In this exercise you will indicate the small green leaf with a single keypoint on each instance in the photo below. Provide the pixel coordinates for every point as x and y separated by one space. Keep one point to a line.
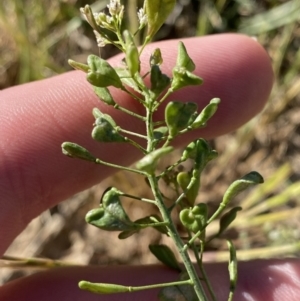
104 131
194 219
228 218
206 113
103 288
132 54
104 95
157 12
101 73
179 115
165 255
159 81
240 185
74 150
183 59
149 162
110 216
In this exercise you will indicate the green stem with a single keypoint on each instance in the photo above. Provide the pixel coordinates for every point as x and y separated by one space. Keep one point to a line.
163 98
118 107
167 217
131 133
177 240
138 198
98 161
132 142
108 288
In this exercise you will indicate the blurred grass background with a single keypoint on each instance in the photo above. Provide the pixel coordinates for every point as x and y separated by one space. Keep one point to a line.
36 40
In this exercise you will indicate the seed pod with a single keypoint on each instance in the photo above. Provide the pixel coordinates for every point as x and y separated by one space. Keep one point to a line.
206 113
104 131
74 150
101 73
157 12
103 288
194 219
183 59
104 95
179 115
156 58
184 180
78 66
183 78
110 216
240 185
159 81
132 54
149 162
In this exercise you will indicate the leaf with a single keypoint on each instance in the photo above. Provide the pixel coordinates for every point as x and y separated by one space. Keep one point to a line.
104 95
178 292
165 255
179 115
240 185
74 150
206 113
228 218
101 73
157 12
110 216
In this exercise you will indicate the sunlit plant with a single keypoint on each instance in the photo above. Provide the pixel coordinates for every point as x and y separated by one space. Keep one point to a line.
179 118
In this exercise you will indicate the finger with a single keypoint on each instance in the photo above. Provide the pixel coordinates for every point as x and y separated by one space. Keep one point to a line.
37 117
274 280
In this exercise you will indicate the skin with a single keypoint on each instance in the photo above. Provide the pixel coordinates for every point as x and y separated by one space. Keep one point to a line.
37 117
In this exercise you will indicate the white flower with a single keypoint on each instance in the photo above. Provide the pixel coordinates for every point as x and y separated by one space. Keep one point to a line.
114 7
142 17
101 42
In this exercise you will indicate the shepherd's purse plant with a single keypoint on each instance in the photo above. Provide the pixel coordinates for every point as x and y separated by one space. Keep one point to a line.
151 88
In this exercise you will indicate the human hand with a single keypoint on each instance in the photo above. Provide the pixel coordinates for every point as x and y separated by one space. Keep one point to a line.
37 117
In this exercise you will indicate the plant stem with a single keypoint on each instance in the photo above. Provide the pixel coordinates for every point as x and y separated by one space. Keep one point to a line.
153 181
177 240
98 161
